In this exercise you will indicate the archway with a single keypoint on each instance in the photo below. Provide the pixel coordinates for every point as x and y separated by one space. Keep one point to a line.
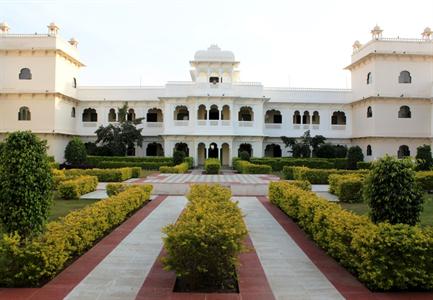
247 148
213 150
214 113
154 149
181 113
273 150
225 113
154 115
201 154
201 112
403 151
246 114
182 147
225 154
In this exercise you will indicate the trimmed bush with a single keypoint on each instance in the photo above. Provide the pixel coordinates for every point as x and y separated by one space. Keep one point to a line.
178 157
75 152
104 175
146 163
135 172
363 165
116 188
383 256
425 180
181 168
246 167
348 187
212 166
25 183
244 155
392 193
315 176
204 244
190 161
127 164
278 164
354 155
74 188
424 159
34 261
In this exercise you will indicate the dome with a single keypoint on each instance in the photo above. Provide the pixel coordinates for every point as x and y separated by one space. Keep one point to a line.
214 53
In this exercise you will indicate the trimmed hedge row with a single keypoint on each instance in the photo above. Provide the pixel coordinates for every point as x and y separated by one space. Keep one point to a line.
212 166
127 164
383 256
91 159
246 167
74 188
32 262
204 244
363 165
278 164
347 187
177 169
147 163
104 175
315 176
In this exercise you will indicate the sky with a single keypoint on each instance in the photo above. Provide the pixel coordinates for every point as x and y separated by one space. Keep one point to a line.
281 43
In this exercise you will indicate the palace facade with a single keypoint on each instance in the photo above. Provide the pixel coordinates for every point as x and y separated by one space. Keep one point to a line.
388 110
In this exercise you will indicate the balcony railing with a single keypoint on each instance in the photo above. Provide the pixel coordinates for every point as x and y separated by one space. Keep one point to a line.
245 123
181 123
296 126
89 124
273 125
338 127
226 122
213 122
201 122
154 124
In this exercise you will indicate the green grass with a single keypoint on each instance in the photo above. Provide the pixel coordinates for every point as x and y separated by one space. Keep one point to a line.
62 207
426 215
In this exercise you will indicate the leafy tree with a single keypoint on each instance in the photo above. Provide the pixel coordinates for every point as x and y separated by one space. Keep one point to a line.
392 193
341 151
424 159
75 152
178 157
354 154
316 141
119 137
326 151
25 183
302 147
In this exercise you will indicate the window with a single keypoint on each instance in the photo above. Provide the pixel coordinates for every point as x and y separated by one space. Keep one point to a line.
246 113
338 118
181 113
90 115
404 112
297 117
403 151
306 117
316 118
131 115
369 112
404 77
25 74
24 114
214 79
369 150
369 78
273 116
73 112
154 115
112 115
74 83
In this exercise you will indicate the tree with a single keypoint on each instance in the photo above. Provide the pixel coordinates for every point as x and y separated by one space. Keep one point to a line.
354 154
178 157
75 152
424 159
326 151
341 151
316 141
122 136
25 183
392 192
302 148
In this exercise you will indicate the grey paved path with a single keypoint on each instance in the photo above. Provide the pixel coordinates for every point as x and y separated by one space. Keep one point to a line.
291 274
120 275
195 178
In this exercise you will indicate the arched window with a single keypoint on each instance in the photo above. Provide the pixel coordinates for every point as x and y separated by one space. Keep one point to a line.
404 77
112 115
245 147
202 112
306 117
24 114
369 112
73 112
181 113
369 78
246 114
404 112
74 83
214 113
131 115
369 150
403 151
297 117
154 115
316 118
25 74
273 116
225 113
273 150
338 118
154 149
90 115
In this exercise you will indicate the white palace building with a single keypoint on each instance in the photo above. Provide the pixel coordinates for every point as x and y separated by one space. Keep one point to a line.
388 110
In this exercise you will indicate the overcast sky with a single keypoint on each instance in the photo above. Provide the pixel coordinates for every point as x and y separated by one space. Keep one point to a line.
304 43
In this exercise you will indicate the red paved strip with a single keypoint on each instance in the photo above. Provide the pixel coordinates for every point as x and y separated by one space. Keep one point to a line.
344 282
63 283
252 282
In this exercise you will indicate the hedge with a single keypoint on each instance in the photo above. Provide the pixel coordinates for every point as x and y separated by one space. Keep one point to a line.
212 166
363 165
104 175
180 168
204 244
92 159
425 180
246 167
315 176
190 161
118 187
74 188
383 256
31 262
348 187
278 164
147 163
125 164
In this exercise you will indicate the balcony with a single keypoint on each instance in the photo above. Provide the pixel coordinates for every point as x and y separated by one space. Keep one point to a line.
245 123
154 124
90 124
273 125
338 127
181 123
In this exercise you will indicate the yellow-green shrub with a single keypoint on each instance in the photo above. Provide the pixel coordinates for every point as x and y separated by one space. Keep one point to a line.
104 175
384 257
31 262
135 172
212 166
315 176
425 180
58 176
204 244
115 188
245 167
347 187
74 188
180 168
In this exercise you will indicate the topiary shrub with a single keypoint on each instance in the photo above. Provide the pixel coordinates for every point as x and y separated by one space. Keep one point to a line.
392 192
424 159
212 166
244 155
25 184
75 152
354 155
326 151
178 157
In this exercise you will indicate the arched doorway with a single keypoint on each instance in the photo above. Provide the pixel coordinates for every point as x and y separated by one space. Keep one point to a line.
245 147
182 147
225 154
201 154
213 150
273 150
154 149
403 151
214 113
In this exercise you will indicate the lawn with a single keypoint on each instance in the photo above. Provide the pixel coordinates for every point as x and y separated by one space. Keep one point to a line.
62 207
426 215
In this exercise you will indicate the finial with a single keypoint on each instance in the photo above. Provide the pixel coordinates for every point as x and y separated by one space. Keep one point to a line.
53 29
427 33
73 42
376 32
356 46
4 27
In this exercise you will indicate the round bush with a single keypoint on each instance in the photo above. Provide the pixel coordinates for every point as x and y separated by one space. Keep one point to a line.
354 155
392 193
25 183
178 157
424 159
326 151
75 152
244 155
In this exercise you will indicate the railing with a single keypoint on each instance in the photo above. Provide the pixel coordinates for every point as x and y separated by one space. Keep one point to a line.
306 126
181 123
226 123
273 125
154 124
201 122
213 122
89 124
245 123
296 126
338 127
316 126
